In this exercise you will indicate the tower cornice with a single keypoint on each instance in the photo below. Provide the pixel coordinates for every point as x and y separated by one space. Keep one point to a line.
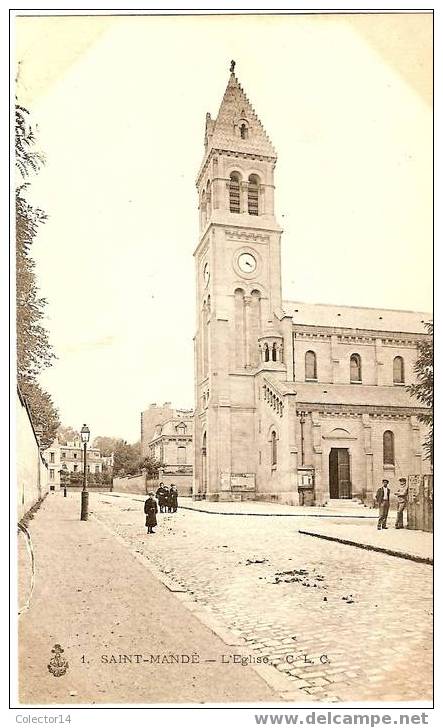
231 153
232 229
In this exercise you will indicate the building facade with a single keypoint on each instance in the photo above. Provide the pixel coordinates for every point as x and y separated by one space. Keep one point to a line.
167 437
69 458
297 402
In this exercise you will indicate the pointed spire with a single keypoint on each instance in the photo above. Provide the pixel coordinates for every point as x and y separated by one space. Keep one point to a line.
237 126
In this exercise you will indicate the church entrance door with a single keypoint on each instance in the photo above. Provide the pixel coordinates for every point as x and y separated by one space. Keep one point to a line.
339 473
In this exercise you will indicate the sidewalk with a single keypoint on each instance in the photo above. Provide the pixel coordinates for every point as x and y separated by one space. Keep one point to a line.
102 604
413 545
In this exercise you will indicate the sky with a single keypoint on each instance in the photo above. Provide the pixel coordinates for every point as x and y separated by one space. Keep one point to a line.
120 105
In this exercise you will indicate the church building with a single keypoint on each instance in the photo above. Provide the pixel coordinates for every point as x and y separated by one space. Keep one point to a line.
297 402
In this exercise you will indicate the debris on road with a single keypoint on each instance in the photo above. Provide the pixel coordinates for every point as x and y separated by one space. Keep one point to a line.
299 576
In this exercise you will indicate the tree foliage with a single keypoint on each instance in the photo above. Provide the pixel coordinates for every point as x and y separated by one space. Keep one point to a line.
34 351
92 478
150 466
126 458
67 434
106 445
27 159
43 412
423 388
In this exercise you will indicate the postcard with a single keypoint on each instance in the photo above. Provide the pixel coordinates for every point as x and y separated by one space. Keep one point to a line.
224 431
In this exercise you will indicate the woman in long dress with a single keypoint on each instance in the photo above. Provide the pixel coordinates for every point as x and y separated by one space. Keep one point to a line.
151 510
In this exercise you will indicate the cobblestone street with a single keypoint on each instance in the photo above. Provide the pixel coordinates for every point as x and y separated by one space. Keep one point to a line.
338 623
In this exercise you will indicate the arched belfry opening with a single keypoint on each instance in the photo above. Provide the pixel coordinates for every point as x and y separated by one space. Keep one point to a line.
270 345
234 192
253 194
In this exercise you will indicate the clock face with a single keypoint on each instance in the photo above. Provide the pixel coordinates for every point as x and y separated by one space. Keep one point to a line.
247 263
206 274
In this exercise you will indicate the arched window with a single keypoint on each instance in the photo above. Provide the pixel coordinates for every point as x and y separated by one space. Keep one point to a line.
399 370
273 448
234 192
253 185
208 198
310 365
274 352
266 352
203 207
355 367
244 131
388 448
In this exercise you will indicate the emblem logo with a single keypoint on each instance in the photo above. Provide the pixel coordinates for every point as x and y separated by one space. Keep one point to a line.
58 666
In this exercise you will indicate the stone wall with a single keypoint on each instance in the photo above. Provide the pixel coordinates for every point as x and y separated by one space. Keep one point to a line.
141 485
132 484
182 482
32 472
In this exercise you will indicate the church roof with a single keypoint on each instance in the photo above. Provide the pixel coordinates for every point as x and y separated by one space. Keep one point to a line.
356 317
235 110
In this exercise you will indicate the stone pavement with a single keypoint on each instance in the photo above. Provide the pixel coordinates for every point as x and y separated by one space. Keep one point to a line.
95 598
338 623
354 524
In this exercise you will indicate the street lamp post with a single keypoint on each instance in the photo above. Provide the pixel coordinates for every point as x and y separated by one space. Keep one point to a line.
84 434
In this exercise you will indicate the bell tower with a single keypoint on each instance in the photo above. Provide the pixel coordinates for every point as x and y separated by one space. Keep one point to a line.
237 264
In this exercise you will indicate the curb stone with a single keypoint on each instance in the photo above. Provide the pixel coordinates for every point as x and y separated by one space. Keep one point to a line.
369 547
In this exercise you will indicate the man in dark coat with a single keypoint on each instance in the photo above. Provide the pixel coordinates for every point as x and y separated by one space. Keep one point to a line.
402 495
382 500
162 493
169 498
151 512
173 498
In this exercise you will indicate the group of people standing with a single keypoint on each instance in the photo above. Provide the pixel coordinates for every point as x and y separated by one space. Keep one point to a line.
382 498
165 499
